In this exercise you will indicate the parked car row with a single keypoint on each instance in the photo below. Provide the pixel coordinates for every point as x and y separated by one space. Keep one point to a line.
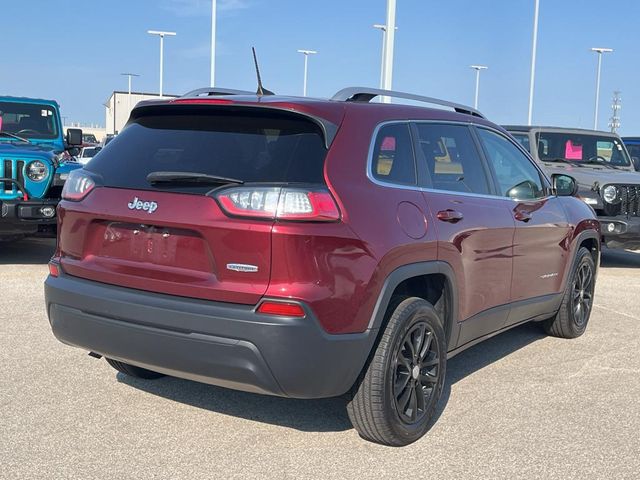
310 248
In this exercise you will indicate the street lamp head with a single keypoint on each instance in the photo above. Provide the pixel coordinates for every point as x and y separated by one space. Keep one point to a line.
478 67
602 50
379 26
130 74
307 52
161 33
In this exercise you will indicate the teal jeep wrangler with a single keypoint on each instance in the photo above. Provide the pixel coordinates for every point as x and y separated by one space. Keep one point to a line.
35 160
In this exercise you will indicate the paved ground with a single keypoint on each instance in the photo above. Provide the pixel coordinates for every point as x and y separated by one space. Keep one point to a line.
520 405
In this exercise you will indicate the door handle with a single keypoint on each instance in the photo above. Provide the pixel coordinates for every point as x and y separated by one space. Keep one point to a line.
522 216
448 215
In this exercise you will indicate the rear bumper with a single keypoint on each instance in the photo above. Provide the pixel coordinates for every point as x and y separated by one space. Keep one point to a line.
26 216
620 232
218 343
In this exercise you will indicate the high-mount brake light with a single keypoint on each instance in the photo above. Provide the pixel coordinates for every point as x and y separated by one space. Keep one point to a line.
77 186
281 308
282 203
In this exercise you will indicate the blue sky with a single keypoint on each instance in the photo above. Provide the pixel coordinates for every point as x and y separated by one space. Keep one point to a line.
73 51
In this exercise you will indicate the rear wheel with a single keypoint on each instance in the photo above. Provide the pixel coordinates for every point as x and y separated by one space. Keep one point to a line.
395 397
577 303
132 370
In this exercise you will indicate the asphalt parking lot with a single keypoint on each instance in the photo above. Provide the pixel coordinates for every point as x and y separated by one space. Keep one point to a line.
521 405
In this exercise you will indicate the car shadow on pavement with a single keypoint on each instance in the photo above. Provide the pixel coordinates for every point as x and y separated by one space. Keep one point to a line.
484 354
28 251
325 415
619 259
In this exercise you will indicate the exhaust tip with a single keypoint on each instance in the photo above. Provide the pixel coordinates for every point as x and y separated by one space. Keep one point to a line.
95 355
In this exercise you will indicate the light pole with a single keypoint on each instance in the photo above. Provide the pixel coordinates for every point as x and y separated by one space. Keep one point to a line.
477 68
306 54
390 35
161 34
129 97
599 51
383 29
533 59
213 42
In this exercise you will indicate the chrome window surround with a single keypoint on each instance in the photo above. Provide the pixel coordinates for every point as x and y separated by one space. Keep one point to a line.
381 183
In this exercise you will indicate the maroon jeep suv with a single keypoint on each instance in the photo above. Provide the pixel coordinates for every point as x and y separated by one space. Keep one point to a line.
310 248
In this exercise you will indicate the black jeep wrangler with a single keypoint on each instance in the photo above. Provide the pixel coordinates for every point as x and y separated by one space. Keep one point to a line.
601 164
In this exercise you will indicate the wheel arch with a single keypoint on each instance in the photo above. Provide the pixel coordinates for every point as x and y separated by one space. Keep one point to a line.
438 280
589 239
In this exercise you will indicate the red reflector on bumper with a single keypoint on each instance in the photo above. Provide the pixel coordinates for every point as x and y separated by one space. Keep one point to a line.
283 309
54 269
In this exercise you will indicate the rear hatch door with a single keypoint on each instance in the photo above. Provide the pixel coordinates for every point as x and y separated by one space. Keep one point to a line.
173 236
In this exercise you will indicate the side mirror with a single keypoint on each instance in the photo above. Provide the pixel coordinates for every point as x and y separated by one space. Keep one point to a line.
564 185
636 163
74 137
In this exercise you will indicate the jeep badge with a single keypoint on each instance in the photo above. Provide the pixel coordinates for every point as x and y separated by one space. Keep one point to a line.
137 204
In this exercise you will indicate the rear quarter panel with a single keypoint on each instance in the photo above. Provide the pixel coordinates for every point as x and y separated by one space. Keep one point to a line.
372 214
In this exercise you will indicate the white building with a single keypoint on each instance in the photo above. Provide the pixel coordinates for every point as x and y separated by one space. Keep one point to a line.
119 106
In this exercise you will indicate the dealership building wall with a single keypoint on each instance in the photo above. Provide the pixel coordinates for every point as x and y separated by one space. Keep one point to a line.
119 106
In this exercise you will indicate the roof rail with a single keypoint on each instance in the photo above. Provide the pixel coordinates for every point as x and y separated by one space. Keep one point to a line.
212 91
365 94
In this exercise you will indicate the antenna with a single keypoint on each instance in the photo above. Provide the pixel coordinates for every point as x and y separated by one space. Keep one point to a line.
261 91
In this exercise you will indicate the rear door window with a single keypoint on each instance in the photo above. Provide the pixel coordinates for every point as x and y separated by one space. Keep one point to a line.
249 145
452 158
393 160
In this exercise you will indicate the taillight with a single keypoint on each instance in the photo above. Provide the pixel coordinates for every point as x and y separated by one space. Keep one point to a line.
77 186
282 203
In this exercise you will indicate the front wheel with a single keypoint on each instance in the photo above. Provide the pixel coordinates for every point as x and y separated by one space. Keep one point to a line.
395 397
577 303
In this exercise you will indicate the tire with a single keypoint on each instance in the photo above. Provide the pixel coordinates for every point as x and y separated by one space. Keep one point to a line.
133 371
577 303
379 407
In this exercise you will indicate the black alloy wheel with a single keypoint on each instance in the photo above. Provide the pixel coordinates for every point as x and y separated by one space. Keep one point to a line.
416 373
583 286
577 301
394 400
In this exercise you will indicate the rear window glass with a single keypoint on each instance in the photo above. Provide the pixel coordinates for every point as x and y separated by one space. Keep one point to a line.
252 146
452 158
393 160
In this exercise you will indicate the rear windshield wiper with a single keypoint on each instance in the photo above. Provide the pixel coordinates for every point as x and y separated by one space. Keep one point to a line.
12 135
190 177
